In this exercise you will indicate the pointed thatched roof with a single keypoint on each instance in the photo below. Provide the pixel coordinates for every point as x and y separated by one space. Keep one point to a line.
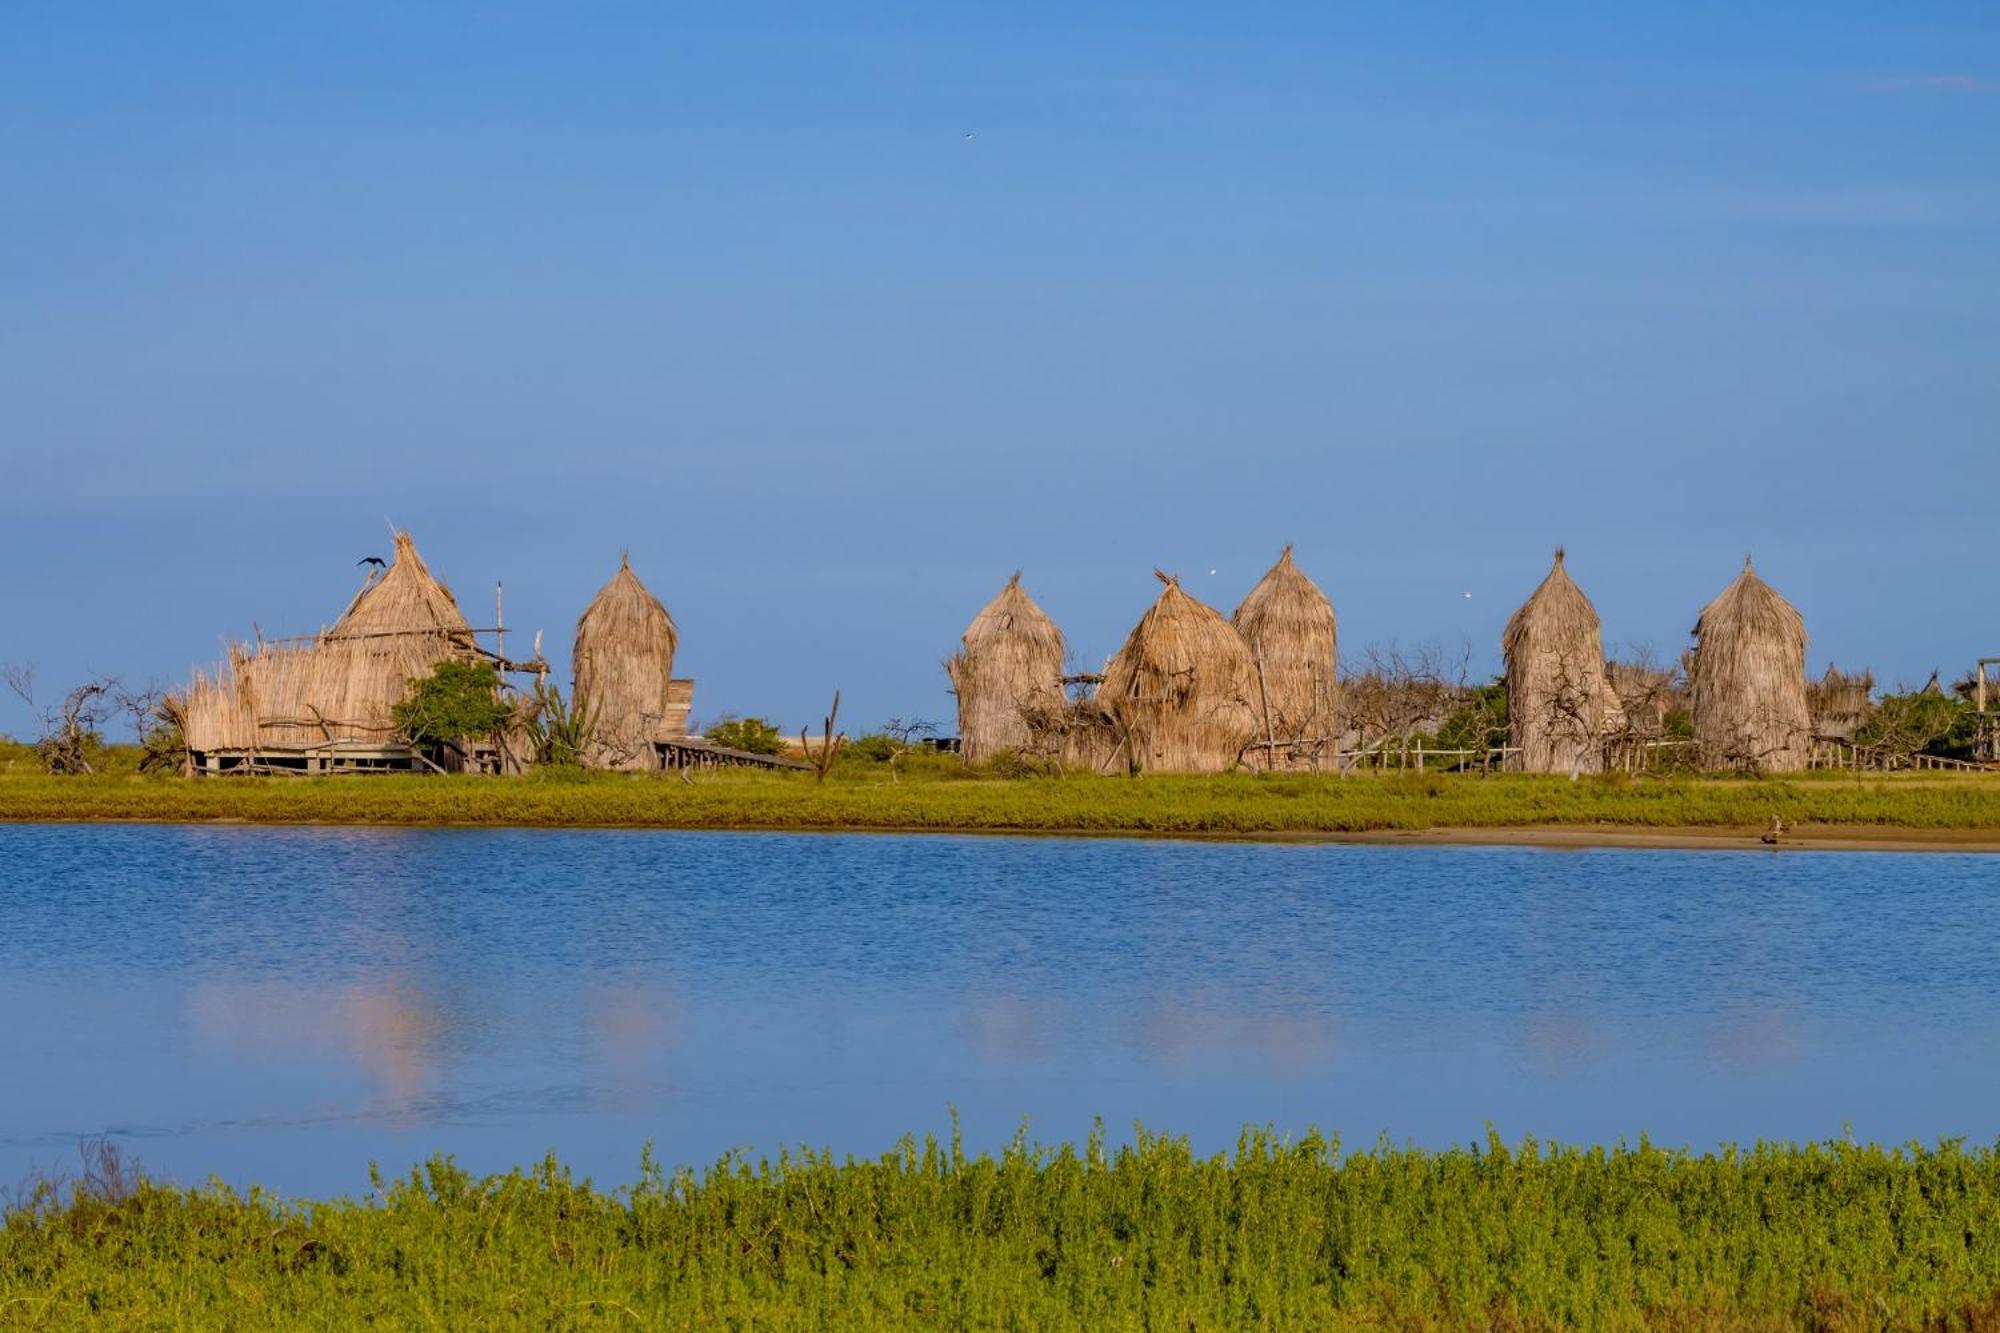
1289 627
1560 703
1749 679
346 682
406 599
1008 671
623 661
1180 687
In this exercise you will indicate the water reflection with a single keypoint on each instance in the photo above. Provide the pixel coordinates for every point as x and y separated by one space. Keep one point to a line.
287 1004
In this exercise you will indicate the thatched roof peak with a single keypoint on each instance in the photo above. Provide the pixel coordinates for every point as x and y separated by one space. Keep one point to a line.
625 597
1754 604
404 597
1012 611
1556 606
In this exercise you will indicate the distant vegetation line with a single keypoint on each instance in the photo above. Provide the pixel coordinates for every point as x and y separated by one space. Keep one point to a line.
939 795
1278 1234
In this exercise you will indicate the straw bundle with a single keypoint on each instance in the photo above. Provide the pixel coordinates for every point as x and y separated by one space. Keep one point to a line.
1840 702
1179 689
1749 679
1560 703
1008 671
1288 625
624 660
342 686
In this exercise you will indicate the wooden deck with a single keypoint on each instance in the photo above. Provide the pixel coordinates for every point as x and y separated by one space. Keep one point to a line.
692 752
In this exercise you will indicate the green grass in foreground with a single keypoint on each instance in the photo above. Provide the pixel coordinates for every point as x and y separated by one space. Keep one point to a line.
942 798
1277 1235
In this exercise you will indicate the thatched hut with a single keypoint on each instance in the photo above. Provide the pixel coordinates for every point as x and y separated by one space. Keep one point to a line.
1288 625
1561 706
1179 689
1749 680
624 665
1007 675
297 703
1839 702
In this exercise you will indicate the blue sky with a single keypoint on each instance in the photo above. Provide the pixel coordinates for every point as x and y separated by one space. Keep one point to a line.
1423 289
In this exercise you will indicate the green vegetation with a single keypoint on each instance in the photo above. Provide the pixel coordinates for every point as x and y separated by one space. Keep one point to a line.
457 700
753 734
561 731
1277 1235
1903 726
927 791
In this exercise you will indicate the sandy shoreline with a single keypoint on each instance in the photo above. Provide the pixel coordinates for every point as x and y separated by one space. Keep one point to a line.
1830 838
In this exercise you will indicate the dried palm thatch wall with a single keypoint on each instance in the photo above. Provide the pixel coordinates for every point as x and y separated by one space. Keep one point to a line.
1008 676
1560 703
1179 689
1288 625
1749 680
341 685
624 663
1840 702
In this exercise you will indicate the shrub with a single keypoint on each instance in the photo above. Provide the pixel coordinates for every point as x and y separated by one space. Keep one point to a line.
755 734
561 732
457 700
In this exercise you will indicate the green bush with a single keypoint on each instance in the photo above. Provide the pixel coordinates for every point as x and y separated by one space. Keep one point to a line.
456 701
1924 722
755 734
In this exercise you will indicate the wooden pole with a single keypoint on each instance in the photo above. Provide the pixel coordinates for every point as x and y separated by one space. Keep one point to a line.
1270 741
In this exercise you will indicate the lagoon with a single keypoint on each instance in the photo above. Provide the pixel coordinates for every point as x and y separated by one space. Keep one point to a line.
286 1005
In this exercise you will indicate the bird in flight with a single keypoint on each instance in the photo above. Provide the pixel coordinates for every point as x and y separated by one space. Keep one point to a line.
374 560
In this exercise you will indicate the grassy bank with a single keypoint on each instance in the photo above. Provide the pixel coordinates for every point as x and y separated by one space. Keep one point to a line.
1275 1235
936 799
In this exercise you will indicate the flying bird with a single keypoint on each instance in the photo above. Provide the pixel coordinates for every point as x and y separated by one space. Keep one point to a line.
374 560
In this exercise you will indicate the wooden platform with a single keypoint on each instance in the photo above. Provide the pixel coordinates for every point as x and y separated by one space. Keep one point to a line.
692 752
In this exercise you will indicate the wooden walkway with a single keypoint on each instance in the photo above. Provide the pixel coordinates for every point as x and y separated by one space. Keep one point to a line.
691 753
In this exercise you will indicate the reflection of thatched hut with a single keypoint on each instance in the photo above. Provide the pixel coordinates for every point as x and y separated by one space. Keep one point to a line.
1288 625
1007 675
300 703
1560 704
1179 690
624 662
1749 679
1840 702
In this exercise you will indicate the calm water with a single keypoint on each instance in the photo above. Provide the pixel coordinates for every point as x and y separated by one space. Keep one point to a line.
285 1005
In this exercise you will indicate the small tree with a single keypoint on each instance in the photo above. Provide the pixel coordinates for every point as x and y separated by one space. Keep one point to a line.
755 735
456 701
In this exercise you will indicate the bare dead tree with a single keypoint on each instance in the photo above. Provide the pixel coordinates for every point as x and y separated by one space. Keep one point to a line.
1396 694
904 735
69 731
830 743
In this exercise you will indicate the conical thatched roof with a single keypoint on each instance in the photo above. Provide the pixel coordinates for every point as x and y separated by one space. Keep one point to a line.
1289 627
1180 687
346 682
1749 679
1008 671
624 658
1560 703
